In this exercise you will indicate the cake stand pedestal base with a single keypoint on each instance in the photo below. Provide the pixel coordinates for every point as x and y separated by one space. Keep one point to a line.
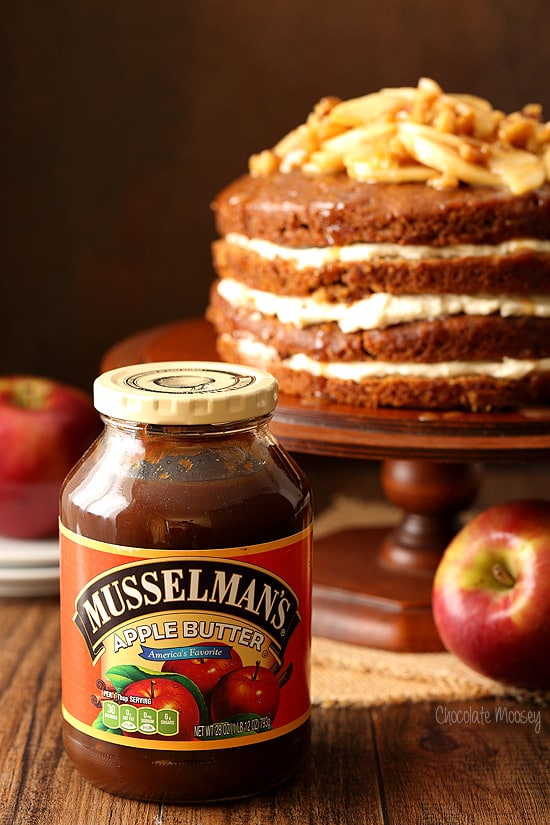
373 587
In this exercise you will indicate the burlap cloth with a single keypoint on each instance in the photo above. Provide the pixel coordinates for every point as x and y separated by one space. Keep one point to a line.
345 675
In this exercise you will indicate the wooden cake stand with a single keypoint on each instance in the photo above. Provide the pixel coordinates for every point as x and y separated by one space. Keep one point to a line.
373 587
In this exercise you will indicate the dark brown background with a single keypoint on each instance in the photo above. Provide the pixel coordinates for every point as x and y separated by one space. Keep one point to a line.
121 120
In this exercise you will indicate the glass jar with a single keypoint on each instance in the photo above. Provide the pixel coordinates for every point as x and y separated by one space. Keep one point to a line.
185 537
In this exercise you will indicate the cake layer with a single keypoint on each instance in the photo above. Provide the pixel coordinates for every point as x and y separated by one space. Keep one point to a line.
458 337
298 210
516 268
469 391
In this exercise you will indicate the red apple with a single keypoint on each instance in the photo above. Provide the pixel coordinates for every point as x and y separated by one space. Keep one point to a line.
491 594
166 694
252 689
45 427
205 673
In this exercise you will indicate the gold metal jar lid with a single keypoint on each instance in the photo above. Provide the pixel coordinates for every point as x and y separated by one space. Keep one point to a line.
185 392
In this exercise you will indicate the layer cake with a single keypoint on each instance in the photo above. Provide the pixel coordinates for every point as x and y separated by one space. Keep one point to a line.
393 250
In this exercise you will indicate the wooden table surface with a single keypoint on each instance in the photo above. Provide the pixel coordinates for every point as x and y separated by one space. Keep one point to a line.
424 763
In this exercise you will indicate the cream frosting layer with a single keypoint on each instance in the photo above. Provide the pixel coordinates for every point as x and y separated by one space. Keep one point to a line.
355 253
507 368
379 310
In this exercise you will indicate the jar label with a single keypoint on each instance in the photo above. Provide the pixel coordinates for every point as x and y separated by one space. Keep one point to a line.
185 650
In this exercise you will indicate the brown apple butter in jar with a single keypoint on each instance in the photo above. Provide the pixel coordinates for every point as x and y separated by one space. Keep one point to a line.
185 537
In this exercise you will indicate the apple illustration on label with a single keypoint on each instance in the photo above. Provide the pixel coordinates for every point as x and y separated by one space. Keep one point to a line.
205 672
491 594
45 427
252 689
168 695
